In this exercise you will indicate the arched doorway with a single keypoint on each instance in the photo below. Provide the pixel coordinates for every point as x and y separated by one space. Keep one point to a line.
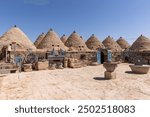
102 57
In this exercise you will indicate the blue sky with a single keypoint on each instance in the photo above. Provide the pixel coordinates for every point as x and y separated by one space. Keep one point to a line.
127 18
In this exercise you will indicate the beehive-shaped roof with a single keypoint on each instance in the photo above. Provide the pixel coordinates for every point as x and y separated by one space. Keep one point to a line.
39 39
141 44
123 43
111 44
93 43
64 38
16 35
50 41
75 41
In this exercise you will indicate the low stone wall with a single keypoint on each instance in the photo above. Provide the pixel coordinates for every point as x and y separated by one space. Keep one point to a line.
83 58
74 63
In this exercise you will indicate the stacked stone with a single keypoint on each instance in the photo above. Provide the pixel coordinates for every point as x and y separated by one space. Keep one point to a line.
42 65
110 70
27 67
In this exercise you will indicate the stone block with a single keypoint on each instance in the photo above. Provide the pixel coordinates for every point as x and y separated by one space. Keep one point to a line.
52 67
65 63
27 67
110 75
42 65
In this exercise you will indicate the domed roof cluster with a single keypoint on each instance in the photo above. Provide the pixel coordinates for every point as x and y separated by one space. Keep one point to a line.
50 41
73 42
39 39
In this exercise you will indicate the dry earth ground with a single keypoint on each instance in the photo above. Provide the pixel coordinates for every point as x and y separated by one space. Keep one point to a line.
82 83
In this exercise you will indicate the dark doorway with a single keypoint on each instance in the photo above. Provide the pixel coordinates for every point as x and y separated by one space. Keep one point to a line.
102 58
83 57
126 59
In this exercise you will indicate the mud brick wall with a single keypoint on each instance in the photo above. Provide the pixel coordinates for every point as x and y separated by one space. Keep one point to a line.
131 57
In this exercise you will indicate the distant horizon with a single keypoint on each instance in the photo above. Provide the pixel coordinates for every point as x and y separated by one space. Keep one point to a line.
120 18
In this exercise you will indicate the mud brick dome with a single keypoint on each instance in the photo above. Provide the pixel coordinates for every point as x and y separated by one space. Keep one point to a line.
64 38
16 35
50 41
93 43
39 39
123 43
111 44
76 42
141 44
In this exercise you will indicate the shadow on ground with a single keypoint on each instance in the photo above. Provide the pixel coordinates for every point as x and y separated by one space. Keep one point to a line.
100 78
3 75
130 72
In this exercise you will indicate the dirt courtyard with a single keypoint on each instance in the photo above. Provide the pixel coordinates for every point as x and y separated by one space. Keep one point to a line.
73 84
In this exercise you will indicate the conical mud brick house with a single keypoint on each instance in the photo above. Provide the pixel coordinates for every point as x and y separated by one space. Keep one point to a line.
16 35
64 38
93 43
75 42
139 51
50 41
39 39
111 44
141 44
123 43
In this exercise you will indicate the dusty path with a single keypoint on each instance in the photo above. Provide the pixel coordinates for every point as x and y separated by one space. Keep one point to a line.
82 83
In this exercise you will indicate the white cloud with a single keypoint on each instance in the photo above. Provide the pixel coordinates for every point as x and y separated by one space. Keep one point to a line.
36 2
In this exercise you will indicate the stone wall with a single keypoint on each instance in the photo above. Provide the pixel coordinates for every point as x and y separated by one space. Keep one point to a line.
132 57
85 58
116 56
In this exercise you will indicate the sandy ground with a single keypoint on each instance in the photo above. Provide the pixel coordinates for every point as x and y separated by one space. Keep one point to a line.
82 83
